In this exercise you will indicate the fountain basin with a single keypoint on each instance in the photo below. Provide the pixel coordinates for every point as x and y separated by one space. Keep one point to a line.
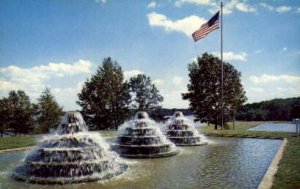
72 155
142 138
182 132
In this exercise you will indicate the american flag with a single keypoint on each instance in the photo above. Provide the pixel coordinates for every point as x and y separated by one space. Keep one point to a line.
207 27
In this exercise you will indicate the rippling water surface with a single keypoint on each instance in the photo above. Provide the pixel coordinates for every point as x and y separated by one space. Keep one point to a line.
275 127
224 163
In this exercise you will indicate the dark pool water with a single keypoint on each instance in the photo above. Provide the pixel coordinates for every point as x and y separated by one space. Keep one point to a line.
224 163
275 127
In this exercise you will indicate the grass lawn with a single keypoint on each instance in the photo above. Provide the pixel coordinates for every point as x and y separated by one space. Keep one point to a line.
288 174
18 141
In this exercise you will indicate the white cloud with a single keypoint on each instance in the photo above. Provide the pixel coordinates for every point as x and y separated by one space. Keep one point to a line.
279 9
34 80
284 49
131 73
173 98
185 25
266 6
67 96
267 87
233 5
256 89
61 69
231 56
177 80
265 78
152 4
245 7
298 10
283 9
158 82
179 3
100 1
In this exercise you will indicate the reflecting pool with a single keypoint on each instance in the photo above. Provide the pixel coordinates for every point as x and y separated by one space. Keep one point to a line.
224 163
275 127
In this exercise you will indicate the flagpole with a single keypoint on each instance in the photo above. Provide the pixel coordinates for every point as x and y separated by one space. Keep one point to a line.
222 75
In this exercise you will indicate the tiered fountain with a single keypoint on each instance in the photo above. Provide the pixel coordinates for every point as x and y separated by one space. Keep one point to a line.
72 155
181 132
142 138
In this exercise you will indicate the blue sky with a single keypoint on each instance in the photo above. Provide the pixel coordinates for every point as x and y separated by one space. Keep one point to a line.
60 43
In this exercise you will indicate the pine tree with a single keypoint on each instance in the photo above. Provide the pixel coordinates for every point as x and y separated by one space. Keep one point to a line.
48 112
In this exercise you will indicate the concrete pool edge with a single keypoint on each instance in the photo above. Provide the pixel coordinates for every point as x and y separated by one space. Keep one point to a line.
268 178
16 149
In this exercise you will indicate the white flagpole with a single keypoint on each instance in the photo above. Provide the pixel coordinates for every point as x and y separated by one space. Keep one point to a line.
222 77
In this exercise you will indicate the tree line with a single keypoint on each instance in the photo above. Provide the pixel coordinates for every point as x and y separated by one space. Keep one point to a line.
271 110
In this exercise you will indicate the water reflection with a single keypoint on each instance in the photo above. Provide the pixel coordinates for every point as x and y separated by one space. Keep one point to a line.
225 163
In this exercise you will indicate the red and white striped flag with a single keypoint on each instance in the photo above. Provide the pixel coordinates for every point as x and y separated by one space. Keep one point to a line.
207 27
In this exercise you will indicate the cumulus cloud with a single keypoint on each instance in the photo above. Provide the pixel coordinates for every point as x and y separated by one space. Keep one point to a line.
61 69
158 82
256 89
152 4
279 9
100 1
283 9
173 98
131 73
177 80
185 25
266 87
266 6
34 80
265 78
233 5
179 3
231 56
298 10
35 77
244 7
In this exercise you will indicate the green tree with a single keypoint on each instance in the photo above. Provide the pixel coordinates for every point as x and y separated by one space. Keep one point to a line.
16 113
146 96
4 115
48 112
204 89
105 97
271 110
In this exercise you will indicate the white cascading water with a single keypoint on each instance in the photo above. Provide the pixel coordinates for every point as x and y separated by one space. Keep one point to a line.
70 155
182 131
142 138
